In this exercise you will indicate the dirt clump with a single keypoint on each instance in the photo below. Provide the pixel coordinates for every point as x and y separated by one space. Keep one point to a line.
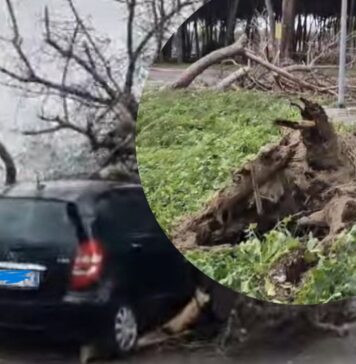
288 272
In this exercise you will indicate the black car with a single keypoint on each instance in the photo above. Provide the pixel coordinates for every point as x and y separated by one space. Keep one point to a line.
87 257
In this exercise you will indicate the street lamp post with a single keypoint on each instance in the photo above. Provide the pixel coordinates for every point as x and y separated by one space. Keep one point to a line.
343 44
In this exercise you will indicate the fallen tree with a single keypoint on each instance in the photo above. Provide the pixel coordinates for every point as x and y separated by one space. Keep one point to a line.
204 63
264 74
233 78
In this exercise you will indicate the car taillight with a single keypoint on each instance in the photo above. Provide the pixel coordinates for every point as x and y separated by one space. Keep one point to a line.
88 265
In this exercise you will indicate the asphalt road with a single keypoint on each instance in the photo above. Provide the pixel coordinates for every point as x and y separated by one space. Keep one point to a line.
160 76
34 349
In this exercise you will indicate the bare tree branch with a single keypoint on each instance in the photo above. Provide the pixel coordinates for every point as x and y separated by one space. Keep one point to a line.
92 91
94 46
10 167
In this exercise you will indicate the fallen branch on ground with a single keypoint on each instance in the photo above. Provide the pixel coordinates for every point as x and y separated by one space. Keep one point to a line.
180 325
298 77
191 73
233 78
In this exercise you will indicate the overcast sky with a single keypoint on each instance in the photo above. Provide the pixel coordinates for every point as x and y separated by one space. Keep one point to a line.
105 18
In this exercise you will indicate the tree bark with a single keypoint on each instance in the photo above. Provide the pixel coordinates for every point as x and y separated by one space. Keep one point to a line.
189 75
167 50
239 48
285 72
351 16
231 23
197 41
180 45
272 24
10 167
352 24
289 9
232 78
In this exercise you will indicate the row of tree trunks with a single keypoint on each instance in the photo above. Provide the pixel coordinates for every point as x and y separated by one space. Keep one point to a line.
301 31
222 33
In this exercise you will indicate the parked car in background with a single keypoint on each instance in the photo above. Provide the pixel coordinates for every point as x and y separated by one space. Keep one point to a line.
87 258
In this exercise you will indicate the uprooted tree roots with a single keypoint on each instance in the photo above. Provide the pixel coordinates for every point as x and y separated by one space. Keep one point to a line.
310 175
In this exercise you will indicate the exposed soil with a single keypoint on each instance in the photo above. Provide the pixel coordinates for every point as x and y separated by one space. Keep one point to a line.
310 175
288 272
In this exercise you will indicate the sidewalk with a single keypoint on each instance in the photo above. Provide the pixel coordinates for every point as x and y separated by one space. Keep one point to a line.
347 115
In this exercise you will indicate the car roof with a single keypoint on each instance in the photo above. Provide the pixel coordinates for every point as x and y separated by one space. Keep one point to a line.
75 191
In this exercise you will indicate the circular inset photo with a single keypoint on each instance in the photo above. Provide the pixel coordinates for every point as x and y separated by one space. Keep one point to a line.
246 147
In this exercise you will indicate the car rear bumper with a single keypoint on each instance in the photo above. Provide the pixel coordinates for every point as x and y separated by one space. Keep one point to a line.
76 321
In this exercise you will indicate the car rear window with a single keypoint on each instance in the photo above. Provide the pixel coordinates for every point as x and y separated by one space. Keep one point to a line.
44 221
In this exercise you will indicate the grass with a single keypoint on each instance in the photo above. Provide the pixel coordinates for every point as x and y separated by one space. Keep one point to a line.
247 268
188 144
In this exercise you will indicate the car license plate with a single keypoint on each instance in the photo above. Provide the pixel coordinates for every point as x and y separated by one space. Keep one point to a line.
19 278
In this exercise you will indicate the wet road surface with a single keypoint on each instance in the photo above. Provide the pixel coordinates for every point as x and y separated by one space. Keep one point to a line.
35 349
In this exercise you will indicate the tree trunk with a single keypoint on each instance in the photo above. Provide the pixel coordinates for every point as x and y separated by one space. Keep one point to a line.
351 16
167 51
272 24
239 49
305 35
187 44
352 25
288 28
248 27
9 163
232 78
231 22
180 45
200 66
197 42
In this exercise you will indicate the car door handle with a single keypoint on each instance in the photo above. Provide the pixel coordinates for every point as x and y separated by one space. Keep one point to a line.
136 246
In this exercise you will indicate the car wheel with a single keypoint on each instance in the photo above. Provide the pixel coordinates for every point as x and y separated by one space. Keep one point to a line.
125 329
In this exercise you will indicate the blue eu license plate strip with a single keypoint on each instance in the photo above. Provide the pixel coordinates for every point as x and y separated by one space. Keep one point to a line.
19 278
